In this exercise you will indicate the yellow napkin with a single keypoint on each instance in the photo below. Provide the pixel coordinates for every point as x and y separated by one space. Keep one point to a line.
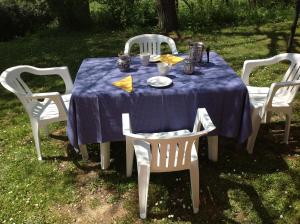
125 84
170 59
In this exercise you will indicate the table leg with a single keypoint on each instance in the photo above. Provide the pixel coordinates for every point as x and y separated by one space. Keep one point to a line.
105 155
84 153
213 148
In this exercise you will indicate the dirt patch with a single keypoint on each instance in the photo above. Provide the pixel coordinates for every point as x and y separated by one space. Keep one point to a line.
93 207
94 204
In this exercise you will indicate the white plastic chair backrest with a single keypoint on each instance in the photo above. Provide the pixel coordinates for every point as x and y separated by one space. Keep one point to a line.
171 152
150 43
292 74
174 153
12 81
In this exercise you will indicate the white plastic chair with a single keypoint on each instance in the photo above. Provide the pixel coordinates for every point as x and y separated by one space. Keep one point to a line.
167 152
42 108
276 98
150 43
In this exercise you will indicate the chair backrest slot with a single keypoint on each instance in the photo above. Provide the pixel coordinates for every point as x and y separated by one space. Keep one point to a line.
172 154
163 154
181 148
24 86
155 155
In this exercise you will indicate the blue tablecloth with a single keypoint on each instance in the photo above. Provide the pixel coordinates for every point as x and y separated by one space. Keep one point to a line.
96 105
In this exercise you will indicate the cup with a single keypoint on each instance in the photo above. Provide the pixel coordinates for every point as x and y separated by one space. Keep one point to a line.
145 57
188 66
163 68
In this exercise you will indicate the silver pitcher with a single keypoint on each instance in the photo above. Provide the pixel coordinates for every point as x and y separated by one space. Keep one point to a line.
123 62
196 51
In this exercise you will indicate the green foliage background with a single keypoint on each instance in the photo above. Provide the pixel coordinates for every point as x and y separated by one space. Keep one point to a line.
18 17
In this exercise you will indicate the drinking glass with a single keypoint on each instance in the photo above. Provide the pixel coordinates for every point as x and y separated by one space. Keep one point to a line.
163 68
145 57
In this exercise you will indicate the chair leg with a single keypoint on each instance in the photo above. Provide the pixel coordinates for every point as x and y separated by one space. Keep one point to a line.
143 181
194 176
84 152
36 136
256 121
287 127
129 156
213 148
105 155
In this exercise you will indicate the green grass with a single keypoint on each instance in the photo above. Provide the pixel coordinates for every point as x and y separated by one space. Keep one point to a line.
240 188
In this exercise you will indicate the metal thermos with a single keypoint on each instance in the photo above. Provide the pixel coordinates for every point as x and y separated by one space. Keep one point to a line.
196 51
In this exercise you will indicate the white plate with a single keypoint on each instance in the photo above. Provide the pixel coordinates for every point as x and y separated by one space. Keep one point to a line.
154 58
159 81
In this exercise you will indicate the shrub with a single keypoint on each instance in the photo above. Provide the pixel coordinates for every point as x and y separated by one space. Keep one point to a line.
114 14
200 14
18 18
71 14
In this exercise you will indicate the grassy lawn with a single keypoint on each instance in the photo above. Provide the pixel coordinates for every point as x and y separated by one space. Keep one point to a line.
240 188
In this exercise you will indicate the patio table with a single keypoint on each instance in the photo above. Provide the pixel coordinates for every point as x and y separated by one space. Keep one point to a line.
96 106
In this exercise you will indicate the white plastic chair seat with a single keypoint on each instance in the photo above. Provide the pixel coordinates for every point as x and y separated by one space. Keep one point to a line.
259 95
165 134
47 109
254 90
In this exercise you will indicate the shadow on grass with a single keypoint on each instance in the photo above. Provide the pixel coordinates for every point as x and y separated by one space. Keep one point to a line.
235 171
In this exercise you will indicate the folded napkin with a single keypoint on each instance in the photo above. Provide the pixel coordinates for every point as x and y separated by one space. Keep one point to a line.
170 59
125 84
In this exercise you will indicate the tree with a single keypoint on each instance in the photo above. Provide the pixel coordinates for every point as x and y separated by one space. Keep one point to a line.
167 15
294 26
73 14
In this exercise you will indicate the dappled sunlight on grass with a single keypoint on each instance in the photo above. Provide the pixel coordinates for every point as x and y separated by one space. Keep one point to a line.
240 188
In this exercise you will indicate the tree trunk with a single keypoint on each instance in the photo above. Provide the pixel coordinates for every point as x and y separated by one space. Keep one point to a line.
167 15
226 1
73 14
294 26
252 3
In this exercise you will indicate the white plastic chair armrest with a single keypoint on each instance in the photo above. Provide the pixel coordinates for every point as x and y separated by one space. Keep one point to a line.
56 98
203 119
63 72
43 95
249 65
276 86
